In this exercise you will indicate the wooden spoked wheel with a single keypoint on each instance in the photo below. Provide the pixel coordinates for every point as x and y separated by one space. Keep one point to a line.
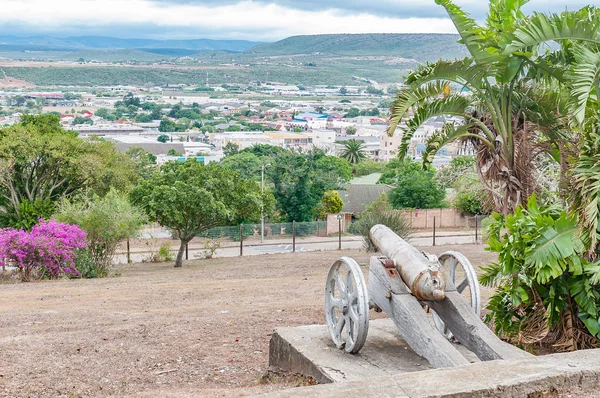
459 270
347 305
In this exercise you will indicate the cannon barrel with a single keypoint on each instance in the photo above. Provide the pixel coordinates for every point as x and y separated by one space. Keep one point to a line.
423 278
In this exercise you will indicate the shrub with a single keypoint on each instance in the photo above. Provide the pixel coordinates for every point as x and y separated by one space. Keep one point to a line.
393 219
48 251
84 262
382 203
210 248
108 221
330 204
470 201
160 255
546 293
164 252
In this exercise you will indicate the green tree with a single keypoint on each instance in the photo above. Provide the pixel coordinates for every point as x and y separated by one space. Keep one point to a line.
353 151
130 99
264 150
143 118
248 165
352 112
102 112
148 106
368 166
40 164
108 221
350 130
231 148
334 169
415 186
167 126
190 198
297 184
330 204
163 138
458 167
82 120
506 59
343 91
18 100
173 152
144 160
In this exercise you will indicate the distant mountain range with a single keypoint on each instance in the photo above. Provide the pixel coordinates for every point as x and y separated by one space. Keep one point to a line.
76 43
418 46
333 59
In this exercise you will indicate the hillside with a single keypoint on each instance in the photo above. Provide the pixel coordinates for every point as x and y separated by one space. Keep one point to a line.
345 59
421 47
48 43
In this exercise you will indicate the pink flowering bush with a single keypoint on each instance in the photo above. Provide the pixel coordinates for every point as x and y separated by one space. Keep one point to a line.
47 251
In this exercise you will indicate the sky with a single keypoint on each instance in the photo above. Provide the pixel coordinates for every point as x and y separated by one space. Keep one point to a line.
256 20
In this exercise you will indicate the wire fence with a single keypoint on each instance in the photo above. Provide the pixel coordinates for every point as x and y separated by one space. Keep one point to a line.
271 231
248 239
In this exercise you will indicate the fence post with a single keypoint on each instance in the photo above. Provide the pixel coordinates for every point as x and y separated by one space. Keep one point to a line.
476 227
339 232
186 251
434 231
128 253
241 240
293 236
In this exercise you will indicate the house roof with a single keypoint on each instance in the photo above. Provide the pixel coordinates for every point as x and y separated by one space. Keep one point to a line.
358 196
370 179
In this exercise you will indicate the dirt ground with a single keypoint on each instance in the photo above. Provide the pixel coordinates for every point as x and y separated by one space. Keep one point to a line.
153 330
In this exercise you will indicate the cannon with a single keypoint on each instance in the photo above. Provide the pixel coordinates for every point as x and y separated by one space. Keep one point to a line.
402 283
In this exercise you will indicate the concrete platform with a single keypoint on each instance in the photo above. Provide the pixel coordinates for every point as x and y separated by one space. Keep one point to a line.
308 350
571 375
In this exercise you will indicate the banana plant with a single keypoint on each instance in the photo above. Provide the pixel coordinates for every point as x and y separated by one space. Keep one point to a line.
506 115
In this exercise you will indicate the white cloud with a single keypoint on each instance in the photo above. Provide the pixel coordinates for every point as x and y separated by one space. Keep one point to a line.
252 20
244 20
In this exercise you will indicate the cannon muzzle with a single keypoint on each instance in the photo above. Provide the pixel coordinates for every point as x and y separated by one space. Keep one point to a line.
423 277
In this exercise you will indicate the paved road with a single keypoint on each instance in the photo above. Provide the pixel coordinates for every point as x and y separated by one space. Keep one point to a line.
309 244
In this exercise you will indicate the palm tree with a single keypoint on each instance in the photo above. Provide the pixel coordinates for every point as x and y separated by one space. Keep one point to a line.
508 116
353 151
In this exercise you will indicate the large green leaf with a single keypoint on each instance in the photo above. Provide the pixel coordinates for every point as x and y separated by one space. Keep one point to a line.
578 25
470 33
451 105
556 244
449 133
584 75
405 99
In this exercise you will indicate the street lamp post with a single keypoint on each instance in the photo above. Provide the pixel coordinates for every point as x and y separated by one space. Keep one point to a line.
339 217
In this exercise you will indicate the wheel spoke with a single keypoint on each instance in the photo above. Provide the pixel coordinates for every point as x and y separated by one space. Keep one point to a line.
349 283
341 286
453 269
340 325
336 303
353 314
461 286
350 329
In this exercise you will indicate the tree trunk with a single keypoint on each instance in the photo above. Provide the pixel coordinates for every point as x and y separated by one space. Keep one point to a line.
179 259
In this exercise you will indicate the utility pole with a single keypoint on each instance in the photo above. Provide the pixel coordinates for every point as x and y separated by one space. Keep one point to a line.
262 206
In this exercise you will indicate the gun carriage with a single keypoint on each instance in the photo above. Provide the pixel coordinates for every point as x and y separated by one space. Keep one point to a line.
402 282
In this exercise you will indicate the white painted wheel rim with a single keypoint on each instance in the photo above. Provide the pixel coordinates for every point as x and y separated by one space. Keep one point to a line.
460 271
347 305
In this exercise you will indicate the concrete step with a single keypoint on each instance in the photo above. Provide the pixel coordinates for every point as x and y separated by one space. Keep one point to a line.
309 351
